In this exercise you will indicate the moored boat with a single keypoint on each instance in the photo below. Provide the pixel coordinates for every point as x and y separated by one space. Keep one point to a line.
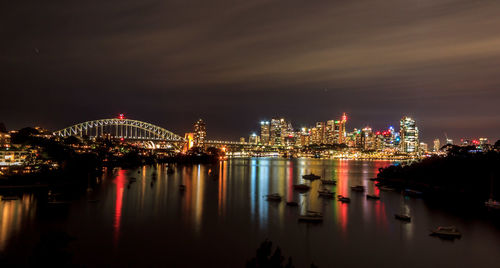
311 177
326 193
301 187
292 204
311 216
402 217
385 188
412 193
274 197
372 196
358 188
344 199
449 232
328 182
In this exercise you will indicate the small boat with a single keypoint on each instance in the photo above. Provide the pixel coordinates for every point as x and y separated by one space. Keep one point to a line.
292 204
311 216
492 204
9 198
326 193
412 193
385 188
311 177
358 188
301 187
449 232
328 182
402 217
274 197
182 187
344 199
372 196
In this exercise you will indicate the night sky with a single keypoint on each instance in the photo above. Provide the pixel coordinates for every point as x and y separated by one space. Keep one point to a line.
234 63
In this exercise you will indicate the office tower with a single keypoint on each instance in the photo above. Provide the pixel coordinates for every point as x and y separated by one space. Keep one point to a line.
254 139
341 129
437 145
367 139
409 135
275 132
200 133
264 132
423 147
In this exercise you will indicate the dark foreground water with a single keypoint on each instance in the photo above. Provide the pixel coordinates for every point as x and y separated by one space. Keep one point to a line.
222 217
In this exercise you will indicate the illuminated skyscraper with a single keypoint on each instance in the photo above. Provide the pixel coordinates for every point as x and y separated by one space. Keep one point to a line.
408 132
275 132
254 139
341 129
264 132
437 145
367 139
200 133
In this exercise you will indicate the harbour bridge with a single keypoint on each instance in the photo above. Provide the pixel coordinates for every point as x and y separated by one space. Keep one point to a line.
128 129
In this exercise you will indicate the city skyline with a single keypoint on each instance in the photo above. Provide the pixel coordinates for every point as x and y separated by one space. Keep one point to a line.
171 63
236 137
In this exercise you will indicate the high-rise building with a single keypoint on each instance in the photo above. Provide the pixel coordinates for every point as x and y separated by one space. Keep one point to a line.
320 133
423 147
408 132
264 132
275 132
200 133
437 145
254 139
341 134
367 139
334 131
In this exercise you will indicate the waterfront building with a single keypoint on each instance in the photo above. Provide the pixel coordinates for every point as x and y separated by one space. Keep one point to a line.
242 139
200 133
189 137
275 132
367 139
341 132
423 147
319 133
13 157
437 145
304 137
409 135
264 132
330 132
254 139
4 139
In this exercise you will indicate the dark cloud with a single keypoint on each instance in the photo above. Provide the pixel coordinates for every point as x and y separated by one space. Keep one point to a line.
237 62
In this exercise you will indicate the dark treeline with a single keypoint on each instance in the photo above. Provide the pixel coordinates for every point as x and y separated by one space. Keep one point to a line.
464 174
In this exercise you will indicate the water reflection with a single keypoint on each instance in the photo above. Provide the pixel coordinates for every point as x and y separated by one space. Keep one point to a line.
226 203
13 214
120 185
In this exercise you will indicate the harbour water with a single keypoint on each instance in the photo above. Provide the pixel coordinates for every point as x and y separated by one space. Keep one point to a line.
222 216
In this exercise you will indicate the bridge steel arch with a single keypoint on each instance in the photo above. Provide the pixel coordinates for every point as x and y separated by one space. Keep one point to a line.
124 128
